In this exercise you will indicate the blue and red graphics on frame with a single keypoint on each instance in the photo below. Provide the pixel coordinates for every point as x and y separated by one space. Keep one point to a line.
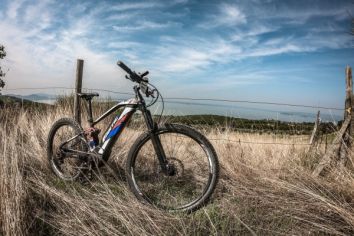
117 126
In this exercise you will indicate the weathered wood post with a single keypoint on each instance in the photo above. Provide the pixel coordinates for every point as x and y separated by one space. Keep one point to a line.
342 141
78 88
348 75
327 158
346 144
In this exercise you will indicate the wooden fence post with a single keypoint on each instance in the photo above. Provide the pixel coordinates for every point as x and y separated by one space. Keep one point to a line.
326 160
342 141
348 76
78 88
346 144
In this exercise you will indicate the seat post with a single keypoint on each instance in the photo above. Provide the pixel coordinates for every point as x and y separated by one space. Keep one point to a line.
88 97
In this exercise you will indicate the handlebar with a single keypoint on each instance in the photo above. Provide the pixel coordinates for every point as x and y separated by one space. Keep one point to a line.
132 75
124 67
138 78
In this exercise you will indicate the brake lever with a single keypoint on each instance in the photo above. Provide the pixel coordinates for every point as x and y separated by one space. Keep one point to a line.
144 74
152 94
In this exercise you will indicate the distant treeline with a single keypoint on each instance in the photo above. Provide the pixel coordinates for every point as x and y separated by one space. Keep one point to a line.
252 126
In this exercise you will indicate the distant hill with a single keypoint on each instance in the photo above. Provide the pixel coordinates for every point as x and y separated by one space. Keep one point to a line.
7 100
35 97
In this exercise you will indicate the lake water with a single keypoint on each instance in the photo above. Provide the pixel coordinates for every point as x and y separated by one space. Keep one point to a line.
248 111
252 111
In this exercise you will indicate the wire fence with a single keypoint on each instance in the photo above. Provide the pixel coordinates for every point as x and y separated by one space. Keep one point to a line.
186 98
331 113
261 143
177 99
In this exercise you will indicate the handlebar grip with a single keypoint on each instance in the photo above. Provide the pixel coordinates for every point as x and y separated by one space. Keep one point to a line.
144 74
124 67
132 75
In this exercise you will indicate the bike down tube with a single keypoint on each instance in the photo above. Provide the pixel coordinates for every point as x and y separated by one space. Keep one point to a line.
152 127
117 125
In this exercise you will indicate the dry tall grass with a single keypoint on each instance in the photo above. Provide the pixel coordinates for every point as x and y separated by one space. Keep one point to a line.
263 190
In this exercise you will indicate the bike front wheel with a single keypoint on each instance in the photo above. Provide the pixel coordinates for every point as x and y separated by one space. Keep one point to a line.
195 165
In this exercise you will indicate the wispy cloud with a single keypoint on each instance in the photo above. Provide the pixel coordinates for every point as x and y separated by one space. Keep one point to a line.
305 15
144 25
121 16
197 56
135 6
231 15
254 30
13 8
227 15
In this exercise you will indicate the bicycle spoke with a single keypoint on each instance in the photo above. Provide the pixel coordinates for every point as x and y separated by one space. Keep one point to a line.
190 180
68 147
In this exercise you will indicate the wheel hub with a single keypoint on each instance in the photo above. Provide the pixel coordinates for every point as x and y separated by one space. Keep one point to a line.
175 167
171 169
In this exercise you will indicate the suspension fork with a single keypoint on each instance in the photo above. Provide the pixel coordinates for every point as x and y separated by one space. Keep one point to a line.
152 129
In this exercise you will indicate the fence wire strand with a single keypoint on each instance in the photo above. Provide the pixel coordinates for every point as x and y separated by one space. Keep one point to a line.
187 98
199 99
261 143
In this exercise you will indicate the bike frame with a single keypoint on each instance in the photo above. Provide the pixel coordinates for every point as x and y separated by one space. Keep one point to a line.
119 122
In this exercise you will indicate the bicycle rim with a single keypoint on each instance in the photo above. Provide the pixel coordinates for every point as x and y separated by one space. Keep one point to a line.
193 165
67 166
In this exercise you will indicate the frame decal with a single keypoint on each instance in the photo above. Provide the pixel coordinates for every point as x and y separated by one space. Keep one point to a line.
116 127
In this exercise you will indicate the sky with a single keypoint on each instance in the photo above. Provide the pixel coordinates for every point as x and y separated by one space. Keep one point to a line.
270 50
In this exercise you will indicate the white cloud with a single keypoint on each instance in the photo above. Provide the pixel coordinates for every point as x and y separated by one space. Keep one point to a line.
250 37
228 15
124 45
301 15
189 55
231 15
275 50
13 8
121 16
135 6
179 1
144 25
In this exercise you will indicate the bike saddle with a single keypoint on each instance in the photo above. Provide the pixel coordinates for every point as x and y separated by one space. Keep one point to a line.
88 96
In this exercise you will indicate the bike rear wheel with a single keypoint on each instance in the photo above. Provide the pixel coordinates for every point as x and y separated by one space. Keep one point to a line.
66 165
195 166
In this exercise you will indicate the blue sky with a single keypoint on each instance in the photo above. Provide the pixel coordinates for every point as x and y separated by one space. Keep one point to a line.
271 50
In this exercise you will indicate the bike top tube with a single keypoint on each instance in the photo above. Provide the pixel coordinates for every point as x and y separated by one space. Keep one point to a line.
133 102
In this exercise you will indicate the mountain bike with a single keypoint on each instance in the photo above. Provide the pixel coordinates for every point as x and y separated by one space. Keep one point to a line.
171 166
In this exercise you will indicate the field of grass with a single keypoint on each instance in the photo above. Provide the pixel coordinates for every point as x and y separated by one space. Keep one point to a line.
264 189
